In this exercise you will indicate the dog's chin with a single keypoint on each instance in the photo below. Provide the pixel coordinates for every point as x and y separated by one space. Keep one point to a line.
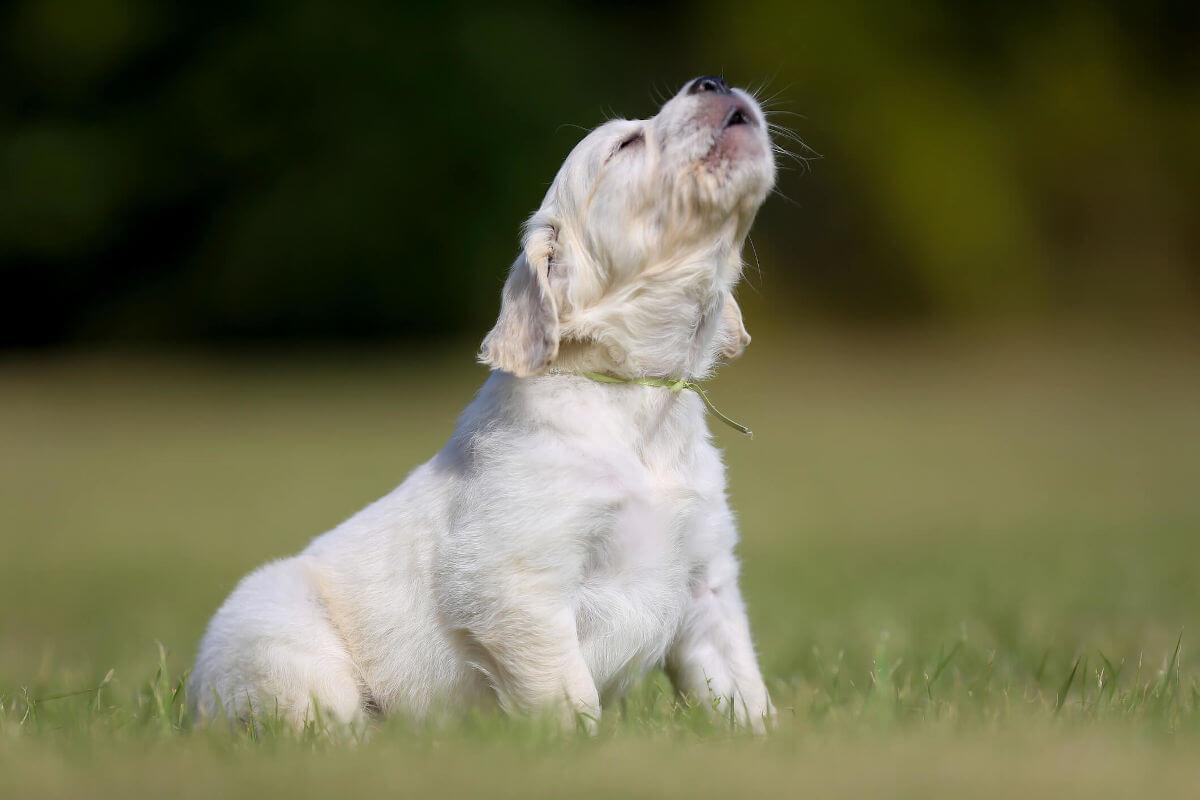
736 171
740 140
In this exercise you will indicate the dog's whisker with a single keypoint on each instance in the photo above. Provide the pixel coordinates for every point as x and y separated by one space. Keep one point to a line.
775 96
764 85
791 136
779 193
773 105
577 127
757 264
797 157
807 154
774 112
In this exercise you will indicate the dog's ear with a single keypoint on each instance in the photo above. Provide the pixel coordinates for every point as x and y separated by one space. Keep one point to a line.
733 335
525 338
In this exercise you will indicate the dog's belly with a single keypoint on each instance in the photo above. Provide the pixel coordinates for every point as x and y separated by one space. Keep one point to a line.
635 589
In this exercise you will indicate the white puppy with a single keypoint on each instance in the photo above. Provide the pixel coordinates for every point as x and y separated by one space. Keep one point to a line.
573 533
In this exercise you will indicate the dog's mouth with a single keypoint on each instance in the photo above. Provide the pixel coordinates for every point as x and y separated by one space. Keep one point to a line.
733 133
736 116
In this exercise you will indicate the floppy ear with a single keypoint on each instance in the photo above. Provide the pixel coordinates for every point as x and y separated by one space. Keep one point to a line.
525 338
733 335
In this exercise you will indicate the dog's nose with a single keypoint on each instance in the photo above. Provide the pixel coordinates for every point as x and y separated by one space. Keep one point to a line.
708 83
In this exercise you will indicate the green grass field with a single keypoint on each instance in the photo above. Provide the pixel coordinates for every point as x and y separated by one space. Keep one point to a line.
973 569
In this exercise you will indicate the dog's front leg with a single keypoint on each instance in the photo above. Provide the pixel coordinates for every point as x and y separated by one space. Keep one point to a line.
535 662
712 659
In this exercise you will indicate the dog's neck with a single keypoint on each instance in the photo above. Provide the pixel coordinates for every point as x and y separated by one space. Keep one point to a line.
665 323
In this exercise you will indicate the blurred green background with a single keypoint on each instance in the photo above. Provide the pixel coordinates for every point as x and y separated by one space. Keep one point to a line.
306 170
248 251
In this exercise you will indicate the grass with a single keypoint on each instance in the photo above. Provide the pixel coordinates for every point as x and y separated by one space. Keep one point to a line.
973 568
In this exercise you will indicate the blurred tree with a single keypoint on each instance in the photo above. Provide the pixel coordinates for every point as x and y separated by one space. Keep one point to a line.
303 170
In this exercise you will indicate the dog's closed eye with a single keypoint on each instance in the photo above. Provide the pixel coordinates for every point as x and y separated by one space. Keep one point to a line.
636 138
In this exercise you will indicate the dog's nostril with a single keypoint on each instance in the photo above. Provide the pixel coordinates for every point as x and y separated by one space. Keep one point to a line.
708 83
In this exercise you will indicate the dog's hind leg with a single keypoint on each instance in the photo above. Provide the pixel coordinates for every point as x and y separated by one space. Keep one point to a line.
272 651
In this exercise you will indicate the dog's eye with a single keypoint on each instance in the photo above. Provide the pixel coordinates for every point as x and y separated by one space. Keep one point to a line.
635 139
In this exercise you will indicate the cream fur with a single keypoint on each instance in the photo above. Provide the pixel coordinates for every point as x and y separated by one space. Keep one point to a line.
570 535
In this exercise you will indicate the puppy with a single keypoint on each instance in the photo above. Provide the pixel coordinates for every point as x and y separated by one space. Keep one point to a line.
574 532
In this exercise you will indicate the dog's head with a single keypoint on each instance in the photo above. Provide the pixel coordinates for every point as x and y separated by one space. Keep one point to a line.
630 262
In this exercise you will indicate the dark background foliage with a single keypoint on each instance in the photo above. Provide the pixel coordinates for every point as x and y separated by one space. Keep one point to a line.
307 170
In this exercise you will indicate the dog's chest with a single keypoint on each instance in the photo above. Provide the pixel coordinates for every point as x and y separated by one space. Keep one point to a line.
635 587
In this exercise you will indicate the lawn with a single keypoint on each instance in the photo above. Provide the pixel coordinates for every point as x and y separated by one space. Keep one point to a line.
972 564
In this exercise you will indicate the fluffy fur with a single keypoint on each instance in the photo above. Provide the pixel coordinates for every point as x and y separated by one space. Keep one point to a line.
571 535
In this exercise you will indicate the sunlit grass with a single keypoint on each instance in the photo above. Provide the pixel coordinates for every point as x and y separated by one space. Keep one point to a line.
971 567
